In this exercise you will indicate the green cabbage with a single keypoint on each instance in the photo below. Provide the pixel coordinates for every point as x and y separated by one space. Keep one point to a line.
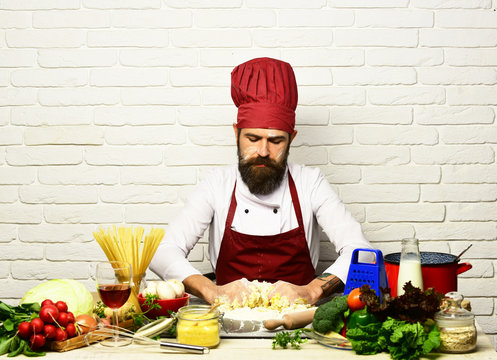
77 297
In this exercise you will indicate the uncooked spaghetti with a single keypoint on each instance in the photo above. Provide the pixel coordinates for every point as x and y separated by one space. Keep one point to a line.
127 244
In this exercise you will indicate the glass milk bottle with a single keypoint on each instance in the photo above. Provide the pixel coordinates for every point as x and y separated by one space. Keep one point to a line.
410 266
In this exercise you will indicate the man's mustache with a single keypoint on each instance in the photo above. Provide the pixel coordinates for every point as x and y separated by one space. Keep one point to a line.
261 161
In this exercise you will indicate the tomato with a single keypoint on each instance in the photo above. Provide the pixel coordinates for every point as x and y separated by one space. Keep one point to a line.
37 325
353 300
24 329
49 313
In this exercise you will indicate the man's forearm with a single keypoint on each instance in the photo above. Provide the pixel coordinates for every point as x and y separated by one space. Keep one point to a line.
200 286
325 284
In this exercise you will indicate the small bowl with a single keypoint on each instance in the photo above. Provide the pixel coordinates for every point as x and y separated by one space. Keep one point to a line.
166 306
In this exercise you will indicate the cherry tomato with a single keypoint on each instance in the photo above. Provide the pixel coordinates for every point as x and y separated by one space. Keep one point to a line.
37 325
61 305
49 313
24 330
47 302
353 300
36 341
49 331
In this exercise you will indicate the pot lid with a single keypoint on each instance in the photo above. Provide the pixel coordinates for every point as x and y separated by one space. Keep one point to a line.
427 258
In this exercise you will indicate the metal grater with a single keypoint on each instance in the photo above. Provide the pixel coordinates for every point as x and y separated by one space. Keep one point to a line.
372 274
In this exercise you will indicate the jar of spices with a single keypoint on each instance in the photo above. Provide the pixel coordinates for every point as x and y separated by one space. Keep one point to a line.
198 325
456 325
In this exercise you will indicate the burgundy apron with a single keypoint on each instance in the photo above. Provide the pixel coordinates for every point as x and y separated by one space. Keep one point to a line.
270 258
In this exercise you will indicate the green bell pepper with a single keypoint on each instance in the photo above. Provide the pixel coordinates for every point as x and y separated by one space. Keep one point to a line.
361 317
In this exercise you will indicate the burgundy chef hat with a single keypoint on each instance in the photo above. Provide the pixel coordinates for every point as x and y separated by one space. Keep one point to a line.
265 92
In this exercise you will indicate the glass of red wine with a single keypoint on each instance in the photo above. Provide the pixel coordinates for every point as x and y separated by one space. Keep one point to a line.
114 281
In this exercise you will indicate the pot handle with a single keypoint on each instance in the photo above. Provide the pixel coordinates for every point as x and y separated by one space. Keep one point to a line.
463 267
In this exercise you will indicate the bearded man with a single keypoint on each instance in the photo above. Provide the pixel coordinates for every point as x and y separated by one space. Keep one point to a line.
264 215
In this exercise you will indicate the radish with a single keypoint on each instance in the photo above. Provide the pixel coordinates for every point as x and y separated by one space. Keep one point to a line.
49 313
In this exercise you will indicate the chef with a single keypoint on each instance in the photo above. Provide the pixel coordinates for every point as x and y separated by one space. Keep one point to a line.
264 214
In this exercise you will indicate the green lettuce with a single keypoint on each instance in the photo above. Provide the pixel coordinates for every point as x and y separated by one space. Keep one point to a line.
77 297
403 340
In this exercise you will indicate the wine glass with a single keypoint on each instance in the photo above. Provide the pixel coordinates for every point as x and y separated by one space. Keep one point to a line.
114 280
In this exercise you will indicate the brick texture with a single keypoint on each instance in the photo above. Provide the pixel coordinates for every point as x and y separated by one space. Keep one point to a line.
111 112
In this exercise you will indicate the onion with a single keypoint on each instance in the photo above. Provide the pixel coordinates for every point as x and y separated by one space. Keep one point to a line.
85 323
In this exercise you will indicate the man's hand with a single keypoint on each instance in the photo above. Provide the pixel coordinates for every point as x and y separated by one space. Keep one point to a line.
321 286
234 290
294 292
204 288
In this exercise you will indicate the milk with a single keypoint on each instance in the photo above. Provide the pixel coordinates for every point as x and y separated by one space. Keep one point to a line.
409 270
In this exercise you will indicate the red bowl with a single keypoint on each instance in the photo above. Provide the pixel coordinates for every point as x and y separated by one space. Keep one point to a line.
167 306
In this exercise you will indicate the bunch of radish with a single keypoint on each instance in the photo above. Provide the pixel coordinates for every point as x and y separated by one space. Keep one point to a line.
56 323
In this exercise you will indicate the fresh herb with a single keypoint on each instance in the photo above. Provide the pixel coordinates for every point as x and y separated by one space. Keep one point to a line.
293 338
10 318
141 319
330 315
413 306
151 302
99 309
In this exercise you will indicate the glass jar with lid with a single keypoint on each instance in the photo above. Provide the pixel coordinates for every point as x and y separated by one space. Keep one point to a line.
198 325
456 325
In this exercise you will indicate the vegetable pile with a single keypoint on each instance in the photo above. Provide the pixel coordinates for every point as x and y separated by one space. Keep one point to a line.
402 326
26 328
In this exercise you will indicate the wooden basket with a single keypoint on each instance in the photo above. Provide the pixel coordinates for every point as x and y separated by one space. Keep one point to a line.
79 341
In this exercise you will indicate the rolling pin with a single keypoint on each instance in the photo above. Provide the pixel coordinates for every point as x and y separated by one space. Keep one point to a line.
290 321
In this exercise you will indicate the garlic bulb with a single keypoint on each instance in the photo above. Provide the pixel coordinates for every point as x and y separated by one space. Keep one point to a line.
165 291
179 288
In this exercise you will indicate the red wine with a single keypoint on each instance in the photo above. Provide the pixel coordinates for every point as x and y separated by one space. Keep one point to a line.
114 296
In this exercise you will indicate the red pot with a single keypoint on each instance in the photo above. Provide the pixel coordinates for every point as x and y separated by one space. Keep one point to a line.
439 271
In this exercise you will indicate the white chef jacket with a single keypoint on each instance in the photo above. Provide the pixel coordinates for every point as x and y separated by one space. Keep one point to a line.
271 214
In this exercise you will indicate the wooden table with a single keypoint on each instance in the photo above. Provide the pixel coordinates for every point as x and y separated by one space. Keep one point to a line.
252 349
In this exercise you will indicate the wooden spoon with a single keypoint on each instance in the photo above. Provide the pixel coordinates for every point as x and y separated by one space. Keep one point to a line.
213 307
290 321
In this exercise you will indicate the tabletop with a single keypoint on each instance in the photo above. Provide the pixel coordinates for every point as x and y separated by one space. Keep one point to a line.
252 349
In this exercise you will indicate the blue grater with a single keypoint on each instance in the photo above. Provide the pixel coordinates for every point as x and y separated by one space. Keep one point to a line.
372 274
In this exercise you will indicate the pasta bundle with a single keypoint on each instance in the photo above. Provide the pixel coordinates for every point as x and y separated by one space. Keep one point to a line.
127 244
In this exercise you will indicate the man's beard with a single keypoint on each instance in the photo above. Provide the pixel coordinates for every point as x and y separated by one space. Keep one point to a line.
262 180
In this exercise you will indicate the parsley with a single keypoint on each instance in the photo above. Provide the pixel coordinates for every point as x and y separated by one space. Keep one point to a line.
293 338
99 309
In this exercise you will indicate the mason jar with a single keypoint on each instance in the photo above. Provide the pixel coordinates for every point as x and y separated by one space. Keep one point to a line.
456 325
198 326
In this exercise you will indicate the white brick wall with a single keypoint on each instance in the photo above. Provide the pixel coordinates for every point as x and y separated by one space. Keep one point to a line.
111 112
